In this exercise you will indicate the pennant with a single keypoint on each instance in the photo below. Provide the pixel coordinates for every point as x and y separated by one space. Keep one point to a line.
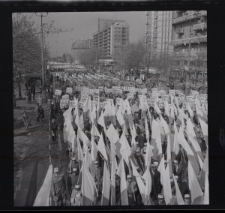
112 134
167 191
125 150
81 121
94 149
161 169
120 117
148 186
101 147
179 197
101 121
113 179
206 191
106 187
88 188
123 183
43 196
193 183
94 130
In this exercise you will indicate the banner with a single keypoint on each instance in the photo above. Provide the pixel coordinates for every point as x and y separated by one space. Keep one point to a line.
58 92
65 97
119 101
162 92
130 96
64 103
69 90
172 92
154 89
72 104
144 91
165 98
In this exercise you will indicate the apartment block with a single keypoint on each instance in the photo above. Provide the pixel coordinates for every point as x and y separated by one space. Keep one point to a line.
112 41
190 27
159 32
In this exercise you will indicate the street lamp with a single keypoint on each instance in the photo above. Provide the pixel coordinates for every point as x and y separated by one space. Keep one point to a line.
56 54
42 58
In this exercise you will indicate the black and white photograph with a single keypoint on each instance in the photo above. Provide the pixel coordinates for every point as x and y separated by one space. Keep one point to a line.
110 108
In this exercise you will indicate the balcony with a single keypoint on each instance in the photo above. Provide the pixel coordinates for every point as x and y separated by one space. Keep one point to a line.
192 40
202 13
180 31
201 26
189 16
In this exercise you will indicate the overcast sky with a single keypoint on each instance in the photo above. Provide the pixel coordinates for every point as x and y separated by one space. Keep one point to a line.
84 24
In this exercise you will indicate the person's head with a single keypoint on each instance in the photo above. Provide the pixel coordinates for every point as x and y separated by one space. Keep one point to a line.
56 170
138 151
187 199
75 170
96 164
160 199
77 187
129 178
153 167
175 163
53 120
156 163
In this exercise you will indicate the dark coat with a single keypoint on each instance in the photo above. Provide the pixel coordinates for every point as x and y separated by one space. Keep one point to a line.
156 185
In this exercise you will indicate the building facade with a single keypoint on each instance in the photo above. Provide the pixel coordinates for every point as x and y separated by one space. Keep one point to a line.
159 32
189 38
80 46
111 42
106 23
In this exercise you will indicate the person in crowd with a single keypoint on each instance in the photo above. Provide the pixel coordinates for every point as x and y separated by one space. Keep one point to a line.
187 199
26 120
156 185
131 191
76 196
58 187
54 130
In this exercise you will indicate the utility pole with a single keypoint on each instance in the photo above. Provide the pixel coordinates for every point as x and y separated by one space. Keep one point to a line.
56 55
42 59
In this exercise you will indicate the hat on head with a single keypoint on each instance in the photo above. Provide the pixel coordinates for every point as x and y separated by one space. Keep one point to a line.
175 161
73 158
153 165
176 177
160 196
145 143
129 176
77 186
96 162
74 169
156 163
56 169
186 196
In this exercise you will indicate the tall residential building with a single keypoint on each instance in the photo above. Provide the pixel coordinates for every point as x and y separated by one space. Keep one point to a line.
106 23
190 27
79 47
112 41
159 32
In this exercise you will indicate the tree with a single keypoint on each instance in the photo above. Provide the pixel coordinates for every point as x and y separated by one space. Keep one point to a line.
26 48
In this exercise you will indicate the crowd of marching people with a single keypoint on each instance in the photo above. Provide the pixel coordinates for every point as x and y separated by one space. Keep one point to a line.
135 147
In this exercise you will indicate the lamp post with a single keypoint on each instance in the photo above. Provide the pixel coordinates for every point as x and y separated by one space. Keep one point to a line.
56 54
42 59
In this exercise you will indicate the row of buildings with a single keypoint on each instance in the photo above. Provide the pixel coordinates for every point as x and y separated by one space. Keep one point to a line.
177 34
